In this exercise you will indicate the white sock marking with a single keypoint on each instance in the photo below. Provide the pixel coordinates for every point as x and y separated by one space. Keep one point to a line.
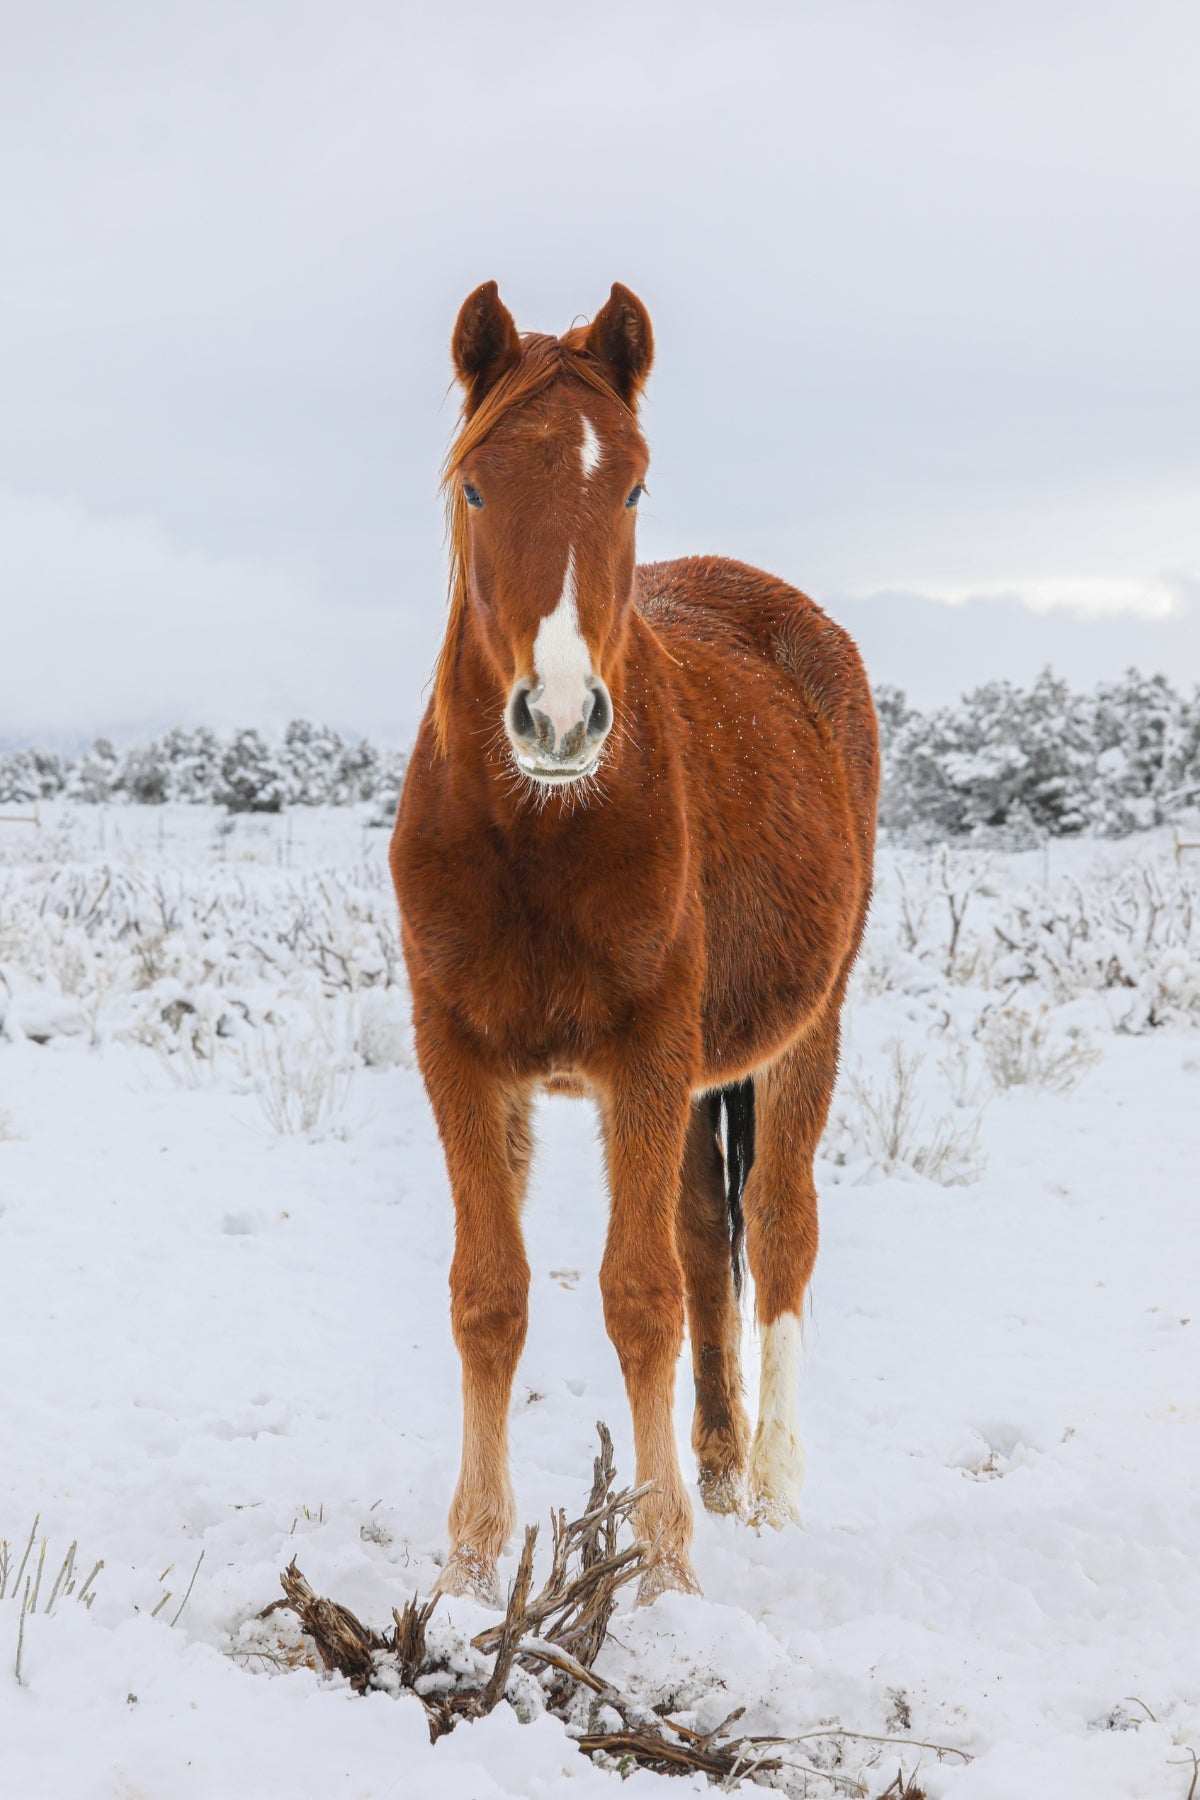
777 1458
561 659
590 452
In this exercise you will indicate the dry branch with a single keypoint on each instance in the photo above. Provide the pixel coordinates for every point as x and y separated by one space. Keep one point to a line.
555 1637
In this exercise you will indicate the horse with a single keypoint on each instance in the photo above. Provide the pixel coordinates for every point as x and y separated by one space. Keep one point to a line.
633 860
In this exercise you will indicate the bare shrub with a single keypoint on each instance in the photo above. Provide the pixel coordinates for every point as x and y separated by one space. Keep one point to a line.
965 1081
1018 1050
959 879
302 1082
186 1041
890 1127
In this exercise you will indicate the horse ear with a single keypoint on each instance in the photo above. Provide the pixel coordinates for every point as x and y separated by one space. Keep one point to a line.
621 336
485 342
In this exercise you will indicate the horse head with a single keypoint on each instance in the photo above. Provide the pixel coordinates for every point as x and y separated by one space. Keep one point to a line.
542 486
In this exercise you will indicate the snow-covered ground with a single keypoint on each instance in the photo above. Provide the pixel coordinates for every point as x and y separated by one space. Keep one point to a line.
223 1337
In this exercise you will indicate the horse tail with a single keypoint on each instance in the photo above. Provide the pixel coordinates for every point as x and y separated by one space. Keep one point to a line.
736 1102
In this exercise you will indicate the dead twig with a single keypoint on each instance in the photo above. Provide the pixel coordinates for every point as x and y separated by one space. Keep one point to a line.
1177 1763
191 1584
554 1638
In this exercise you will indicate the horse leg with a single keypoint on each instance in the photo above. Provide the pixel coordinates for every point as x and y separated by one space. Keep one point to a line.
641 1283
720 1429
485 1135
792 1097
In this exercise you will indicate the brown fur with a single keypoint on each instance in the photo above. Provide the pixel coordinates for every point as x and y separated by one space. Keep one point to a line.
687 919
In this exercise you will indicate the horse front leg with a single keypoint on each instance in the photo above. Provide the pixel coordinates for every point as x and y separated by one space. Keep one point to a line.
641 1282
484 1132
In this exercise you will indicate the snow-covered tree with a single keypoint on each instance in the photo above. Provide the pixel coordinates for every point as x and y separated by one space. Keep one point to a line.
93 778
309 758
1180 778
29 775
389 779
194 760
250 778
1136 719
1033 756
145 775
356 776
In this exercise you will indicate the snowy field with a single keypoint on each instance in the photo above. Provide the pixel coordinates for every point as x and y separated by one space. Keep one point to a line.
224 1245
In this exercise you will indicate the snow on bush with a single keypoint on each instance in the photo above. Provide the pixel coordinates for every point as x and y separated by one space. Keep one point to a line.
1126 937
281 986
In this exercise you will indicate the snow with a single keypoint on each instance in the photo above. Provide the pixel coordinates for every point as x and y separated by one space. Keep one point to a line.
219 1337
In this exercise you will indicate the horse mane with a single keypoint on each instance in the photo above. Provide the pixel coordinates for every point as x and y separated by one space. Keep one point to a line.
542 360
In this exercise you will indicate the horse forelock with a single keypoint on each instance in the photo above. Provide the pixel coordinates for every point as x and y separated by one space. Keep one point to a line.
543 360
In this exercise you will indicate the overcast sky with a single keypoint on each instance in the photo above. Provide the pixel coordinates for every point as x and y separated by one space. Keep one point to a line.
925 280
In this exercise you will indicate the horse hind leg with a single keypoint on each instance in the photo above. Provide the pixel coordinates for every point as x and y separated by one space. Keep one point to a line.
793 1096
720 1428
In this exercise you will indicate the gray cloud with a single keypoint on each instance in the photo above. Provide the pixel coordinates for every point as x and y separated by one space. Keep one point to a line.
924 280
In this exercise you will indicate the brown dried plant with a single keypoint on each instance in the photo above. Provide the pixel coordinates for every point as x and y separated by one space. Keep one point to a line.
556 1637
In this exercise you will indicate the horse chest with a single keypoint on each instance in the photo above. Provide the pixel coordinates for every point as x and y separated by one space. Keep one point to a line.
542 955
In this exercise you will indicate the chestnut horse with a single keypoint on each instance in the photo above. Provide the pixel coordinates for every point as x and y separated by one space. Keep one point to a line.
633 860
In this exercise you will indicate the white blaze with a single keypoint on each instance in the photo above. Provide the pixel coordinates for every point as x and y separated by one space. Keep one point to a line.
561 659
777 1457
589 451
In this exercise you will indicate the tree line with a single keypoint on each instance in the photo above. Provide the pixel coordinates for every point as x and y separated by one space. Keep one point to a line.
310 765
1019 763
1042 761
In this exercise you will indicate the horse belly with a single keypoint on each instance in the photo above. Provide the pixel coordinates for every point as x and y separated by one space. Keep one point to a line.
779 942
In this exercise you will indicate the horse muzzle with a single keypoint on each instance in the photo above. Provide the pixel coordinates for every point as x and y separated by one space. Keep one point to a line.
555 735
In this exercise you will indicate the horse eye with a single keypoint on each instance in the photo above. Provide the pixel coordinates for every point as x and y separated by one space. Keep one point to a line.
472 495
636 495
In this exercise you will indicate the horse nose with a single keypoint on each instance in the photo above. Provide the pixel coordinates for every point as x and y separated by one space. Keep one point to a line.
554 727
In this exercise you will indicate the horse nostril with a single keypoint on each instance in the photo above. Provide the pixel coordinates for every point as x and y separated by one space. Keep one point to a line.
520 718
599 714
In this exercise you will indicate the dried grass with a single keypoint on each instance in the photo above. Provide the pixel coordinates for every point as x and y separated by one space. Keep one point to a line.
301 1080
891 1129
903 1787
66 1583
1019 1053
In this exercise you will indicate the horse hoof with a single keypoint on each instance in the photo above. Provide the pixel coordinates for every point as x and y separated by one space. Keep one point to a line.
723 1492
468 1572
775 1510
669 1573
